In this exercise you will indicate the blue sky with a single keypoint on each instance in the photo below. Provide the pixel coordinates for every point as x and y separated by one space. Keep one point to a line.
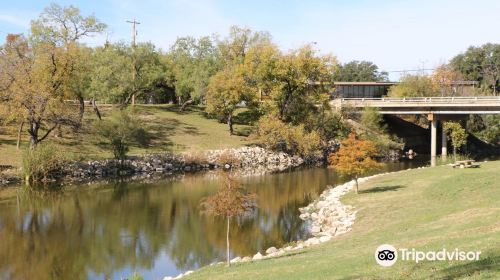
395 35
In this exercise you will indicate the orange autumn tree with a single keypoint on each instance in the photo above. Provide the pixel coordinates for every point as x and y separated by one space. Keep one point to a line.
230 202
354 158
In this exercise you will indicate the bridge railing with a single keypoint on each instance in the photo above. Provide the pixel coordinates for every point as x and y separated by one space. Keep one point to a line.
455 99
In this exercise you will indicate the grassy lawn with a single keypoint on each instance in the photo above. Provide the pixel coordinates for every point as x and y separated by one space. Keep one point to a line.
426 209
170 129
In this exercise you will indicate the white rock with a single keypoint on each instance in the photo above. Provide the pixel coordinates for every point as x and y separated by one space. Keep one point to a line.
188 272
246 259
315 229
271 250
167 278
235 260
257 256
325 238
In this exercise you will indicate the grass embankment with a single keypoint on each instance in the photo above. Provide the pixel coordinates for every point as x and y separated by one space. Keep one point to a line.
169 129
426 209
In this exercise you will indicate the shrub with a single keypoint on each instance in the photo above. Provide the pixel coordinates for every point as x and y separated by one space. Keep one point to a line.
372 119
279 136
121 130
42 163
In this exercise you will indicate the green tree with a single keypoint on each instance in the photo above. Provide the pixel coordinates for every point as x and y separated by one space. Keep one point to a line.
230 202
360 71
480 64
415 86
122 72
193 62
457 134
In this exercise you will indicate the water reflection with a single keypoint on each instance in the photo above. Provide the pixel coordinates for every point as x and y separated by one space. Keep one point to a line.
153 228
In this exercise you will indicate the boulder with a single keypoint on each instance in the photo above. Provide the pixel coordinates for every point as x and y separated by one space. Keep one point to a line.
257 256
235 260
271 250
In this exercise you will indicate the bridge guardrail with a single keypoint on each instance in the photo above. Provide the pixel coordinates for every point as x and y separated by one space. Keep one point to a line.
457 99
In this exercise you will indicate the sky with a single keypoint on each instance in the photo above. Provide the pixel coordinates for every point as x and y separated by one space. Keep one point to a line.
395 35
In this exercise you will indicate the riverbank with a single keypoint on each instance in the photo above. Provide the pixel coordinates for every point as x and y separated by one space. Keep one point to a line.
244 161
426 209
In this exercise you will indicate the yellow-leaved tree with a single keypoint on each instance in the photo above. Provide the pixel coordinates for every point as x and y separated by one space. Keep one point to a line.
354 158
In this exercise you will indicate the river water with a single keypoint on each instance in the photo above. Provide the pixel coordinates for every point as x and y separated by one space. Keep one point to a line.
110 231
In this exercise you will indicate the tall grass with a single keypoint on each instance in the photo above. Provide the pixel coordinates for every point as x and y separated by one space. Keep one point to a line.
42 164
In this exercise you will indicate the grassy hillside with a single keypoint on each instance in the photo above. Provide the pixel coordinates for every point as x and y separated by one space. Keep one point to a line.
425 209
170 130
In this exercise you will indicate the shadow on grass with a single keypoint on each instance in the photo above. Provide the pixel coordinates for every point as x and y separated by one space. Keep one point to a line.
491 264
382 189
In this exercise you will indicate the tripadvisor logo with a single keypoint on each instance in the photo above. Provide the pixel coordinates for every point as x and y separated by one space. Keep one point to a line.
387 255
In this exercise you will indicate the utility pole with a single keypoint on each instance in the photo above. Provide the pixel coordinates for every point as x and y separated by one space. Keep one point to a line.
134 31
134 34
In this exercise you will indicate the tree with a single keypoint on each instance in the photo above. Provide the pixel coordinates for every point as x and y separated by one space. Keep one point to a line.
193 62
302 82
37 70
354 158
65 26
34 82
235 46
444 77
414 86
480 64
457 134
115 67
230 202
226 90
360 71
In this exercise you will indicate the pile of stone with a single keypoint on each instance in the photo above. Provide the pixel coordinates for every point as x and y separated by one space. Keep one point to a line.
246 160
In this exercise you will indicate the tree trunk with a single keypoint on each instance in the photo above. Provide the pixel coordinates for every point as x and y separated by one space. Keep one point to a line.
230 123
19 131
454 154
356 180
227 243
81 112
96 110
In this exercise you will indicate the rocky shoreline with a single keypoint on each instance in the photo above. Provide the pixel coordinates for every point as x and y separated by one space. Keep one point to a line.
327 218
245 160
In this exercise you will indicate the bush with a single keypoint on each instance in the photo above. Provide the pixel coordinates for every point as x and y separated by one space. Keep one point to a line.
373 120
279 136
121 130
42 163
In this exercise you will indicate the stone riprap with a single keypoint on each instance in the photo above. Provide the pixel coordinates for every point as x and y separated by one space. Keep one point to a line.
247 160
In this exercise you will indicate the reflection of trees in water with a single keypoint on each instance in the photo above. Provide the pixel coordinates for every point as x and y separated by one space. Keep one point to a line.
128 225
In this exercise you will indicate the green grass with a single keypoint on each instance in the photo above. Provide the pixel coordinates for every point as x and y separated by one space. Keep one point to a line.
170 129
425 209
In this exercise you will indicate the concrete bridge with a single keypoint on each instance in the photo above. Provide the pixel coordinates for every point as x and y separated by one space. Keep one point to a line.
436 109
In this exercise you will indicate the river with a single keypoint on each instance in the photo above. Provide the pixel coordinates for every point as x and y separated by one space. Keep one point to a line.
110 231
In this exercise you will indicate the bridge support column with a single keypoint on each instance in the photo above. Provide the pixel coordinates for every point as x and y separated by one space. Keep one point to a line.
444 143
433 140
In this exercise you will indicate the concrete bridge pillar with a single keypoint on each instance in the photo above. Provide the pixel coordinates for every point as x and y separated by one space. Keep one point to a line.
433 139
